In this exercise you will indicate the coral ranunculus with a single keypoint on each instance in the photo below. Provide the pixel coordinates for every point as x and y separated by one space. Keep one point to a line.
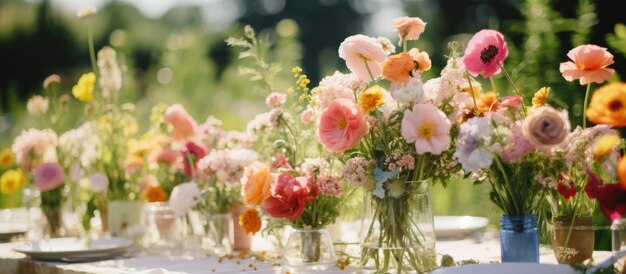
255 183
289 196
341 126
590 65
363 56
608 105
182 123
427 127
398 67
485 53
250 221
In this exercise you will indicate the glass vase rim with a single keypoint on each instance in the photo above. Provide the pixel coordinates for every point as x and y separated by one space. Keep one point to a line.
310 229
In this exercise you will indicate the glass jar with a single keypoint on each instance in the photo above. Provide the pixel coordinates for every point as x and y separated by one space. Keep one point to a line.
309 249
219 237
519 240
618 242
398 233
163 236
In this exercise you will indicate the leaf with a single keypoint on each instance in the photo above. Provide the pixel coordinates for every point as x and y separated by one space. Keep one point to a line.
381 177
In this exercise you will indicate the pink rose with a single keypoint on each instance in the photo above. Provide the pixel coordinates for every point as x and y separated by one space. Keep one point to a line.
306 116
288 196
362 52
341 125
48 176
408 28
275 99
546 127
184 125
485 53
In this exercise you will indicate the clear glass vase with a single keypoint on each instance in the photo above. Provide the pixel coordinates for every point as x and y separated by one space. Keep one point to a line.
618 242
163 228
219 237
519 240
398 235
309 249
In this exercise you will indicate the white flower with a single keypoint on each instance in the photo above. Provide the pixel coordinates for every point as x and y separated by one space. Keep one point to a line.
474 135
98 182
184 196
388 47
110 73
409 93
37 105
86 12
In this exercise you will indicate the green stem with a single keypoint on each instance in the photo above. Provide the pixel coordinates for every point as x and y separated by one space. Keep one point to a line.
405 45
472 92
92 51
517 91
493 86
369 71
585 106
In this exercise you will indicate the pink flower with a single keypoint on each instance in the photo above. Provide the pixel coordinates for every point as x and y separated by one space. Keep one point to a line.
341 125
590 62
362 52
48 176
167 156
33 147
427 127
485 53
408 28
306 116
518 145
510 102
275 99
289 196
280 161
192 153
98 182
330 185
184 125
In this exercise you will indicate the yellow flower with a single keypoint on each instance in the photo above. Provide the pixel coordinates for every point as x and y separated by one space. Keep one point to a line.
11 181
371 98
540 96
608 105
604 145
6 158
83 90
250 221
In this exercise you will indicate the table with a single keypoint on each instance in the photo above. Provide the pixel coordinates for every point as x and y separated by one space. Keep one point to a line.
484 249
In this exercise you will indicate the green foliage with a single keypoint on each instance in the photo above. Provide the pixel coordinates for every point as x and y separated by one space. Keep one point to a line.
617 40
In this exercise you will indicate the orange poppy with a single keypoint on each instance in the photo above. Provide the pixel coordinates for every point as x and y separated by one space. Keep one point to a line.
608 105
155 194
398 67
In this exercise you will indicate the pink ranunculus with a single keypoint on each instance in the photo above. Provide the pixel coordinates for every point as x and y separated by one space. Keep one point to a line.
362 52
427 127
184 196
182 123
48 176
510 102
485 53
341 125
288 196
408 28
167 156
306 116
275 99
192 153
98 182
590 65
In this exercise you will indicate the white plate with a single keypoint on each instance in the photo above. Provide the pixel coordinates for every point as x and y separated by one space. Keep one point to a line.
508 268
74 249
458 226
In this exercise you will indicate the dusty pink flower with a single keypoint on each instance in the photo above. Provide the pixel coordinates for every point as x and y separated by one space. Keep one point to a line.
275 99
518 145
306 116
33 147
408 28
510 102
167 156
427 127
329 185
182 123
485 53
362 52
546 127
289 195
280 161
98 183
590 65
192 153
356 173
48 176
341 125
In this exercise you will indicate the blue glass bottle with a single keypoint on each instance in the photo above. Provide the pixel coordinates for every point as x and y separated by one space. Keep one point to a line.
519 240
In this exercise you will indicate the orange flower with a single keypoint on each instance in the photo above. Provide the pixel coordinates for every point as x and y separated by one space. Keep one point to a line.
590 62
255 183
608 105
488 102
421 58
398 67
155 194
250 221
621 171
6 158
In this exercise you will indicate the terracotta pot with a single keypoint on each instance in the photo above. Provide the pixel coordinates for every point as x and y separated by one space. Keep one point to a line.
580 245
242 239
